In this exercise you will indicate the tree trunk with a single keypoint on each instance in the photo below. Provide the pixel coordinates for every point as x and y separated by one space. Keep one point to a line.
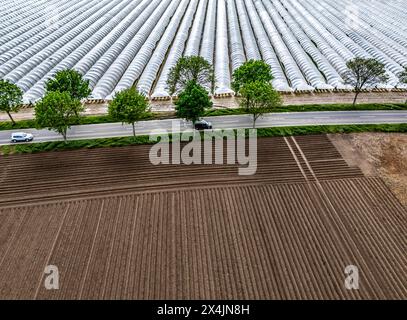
134 129
254 122
11 118
356 98
64 136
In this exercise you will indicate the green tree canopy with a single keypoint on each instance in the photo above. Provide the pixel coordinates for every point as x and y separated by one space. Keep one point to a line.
258 98
192 68
403 76
58 111
364 72
128 106
70 81
11 98
251 71
192 102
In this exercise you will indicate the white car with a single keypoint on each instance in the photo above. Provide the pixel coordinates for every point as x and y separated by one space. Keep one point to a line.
21 137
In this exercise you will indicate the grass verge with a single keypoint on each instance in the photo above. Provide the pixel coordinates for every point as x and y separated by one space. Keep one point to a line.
126 141
315 107
28 124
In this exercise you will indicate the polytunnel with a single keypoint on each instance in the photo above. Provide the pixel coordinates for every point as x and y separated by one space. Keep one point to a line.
222 70
125 60
79 47
173 56
119 44
147 78
143 56
122 46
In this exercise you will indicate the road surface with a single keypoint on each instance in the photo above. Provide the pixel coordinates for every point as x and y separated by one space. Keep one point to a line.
108 130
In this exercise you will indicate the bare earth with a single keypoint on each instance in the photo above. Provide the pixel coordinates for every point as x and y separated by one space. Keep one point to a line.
118 227
381 155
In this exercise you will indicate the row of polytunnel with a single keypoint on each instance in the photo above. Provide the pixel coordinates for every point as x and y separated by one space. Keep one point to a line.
117 44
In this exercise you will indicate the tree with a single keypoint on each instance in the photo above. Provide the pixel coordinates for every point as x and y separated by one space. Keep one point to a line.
11 98
192 68
258 98
403 76
192 102
364 72
128 106
251 71
70 81
58 111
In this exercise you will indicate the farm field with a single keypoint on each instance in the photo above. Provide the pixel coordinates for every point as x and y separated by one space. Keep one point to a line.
119 228
120 43
378 155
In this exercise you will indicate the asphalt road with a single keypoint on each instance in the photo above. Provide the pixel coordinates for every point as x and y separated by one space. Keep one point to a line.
224 122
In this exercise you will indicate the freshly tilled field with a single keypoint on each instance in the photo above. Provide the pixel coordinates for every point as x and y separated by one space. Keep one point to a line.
102 171
199 232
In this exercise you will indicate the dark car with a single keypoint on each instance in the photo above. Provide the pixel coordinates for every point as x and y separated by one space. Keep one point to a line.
203 125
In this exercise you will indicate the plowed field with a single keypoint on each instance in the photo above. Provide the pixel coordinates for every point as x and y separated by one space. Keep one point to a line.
118 227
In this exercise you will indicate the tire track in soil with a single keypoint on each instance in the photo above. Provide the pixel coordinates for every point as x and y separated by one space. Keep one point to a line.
271 236
321 192
24 261
357 219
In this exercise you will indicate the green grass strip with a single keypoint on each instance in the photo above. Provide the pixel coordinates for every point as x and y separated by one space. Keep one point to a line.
143 140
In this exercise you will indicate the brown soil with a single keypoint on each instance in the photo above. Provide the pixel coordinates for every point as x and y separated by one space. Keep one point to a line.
118 228
378 154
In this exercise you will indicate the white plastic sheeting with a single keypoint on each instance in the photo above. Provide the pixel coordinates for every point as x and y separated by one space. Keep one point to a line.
268 55
222 71
359 43
97 33
173 56
319 37
36 16
153 66
118 47
332 76
15 11
377 15
396 52
248 38
292 70
194 40
116 44
63 30
168 23
304 62
208 36
237 55
125 61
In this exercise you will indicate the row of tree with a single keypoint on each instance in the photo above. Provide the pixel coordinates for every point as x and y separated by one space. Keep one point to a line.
192 78
252 84
61 106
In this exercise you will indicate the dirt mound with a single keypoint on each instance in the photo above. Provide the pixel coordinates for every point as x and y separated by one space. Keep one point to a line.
378 154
